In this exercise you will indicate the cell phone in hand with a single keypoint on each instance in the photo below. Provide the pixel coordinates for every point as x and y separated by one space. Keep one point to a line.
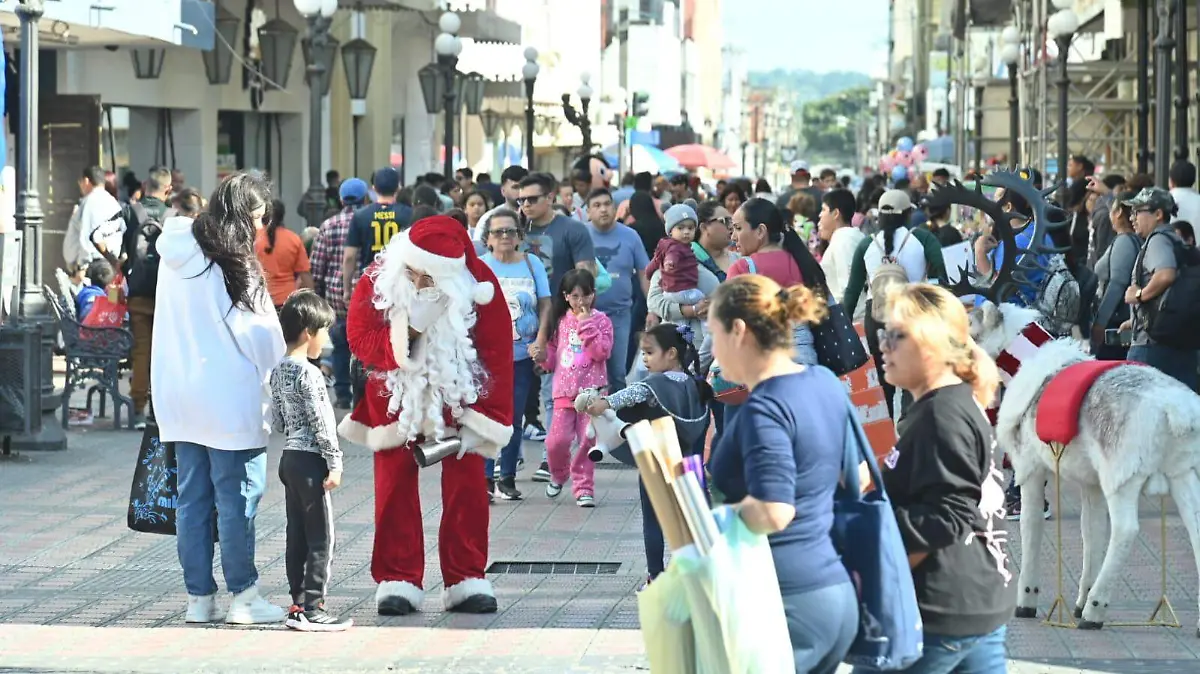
1114 337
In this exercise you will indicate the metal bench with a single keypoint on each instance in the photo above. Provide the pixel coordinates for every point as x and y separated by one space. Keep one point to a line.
93 355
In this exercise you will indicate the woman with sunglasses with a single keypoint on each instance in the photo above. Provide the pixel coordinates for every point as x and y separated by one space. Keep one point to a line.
526 289
712 239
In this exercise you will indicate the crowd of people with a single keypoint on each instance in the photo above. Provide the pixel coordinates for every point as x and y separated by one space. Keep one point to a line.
648 299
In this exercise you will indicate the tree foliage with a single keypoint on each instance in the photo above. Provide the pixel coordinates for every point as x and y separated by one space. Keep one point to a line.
829 124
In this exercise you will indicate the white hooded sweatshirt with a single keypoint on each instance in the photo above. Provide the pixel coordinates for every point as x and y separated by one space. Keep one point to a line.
210 361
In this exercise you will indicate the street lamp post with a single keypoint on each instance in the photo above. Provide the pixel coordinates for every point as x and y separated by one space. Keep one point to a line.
1181 82
529 73
318 57
31 308
979 83
1062 25
1162 92
448 47
358 58
581 119
1010 53
1143 85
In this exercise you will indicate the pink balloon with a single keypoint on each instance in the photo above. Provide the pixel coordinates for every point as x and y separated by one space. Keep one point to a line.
886 164
920 153
904 159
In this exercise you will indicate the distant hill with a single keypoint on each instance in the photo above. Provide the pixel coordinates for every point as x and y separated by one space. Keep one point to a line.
808 85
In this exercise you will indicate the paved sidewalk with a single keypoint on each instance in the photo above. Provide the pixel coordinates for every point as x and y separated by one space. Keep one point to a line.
80 592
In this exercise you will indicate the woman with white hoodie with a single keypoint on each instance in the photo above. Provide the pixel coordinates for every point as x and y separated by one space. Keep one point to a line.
218 338
837 211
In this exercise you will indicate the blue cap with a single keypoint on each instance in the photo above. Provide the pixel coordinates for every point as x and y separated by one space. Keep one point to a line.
387 181
353 191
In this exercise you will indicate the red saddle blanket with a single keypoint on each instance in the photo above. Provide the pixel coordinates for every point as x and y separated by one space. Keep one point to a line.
1058 409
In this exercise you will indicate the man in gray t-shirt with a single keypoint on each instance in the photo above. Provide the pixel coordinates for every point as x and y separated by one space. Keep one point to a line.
1153 274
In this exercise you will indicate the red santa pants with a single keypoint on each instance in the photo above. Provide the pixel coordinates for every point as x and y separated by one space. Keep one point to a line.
399 552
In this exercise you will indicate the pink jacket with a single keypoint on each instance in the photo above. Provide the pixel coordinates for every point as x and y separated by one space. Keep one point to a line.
577 355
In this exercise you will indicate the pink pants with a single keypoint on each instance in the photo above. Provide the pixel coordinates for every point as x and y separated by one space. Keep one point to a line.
567 426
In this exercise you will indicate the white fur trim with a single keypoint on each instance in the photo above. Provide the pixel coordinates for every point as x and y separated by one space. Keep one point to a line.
418 258
378 438
453 596
483 292
494 432
402 589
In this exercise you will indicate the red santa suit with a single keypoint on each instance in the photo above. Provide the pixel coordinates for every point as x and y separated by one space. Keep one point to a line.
460 366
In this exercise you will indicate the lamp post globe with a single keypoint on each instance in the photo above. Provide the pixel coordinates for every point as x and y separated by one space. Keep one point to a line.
307 8
1010 35
449 22
328 8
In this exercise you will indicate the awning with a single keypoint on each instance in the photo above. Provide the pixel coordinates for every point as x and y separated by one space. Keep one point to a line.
482 25
187 23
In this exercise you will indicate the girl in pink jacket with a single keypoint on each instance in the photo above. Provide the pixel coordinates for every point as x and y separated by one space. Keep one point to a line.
576 353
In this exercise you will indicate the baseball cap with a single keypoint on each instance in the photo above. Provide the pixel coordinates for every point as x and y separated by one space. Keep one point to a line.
386 180
800 166
677 214
353 191
1153 199
894 201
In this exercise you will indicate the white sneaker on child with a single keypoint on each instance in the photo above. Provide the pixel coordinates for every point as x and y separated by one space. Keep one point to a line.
203 610
251 608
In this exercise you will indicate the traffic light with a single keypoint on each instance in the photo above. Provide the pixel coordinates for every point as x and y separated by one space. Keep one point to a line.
641 104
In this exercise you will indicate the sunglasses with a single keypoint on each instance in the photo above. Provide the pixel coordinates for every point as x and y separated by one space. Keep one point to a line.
503 233
521 201
889 339
728 222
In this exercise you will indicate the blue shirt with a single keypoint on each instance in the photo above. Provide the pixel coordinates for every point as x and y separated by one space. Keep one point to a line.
523 283
785 446
620 251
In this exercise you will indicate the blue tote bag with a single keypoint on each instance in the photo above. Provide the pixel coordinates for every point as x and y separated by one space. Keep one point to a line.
890 635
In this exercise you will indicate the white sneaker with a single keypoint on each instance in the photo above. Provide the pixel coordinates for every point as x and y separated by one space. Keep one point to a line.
250 608
203 610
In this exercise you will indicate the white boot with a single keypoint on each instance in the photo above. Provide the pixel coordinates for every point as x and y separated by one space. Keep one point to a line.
203 610
250 608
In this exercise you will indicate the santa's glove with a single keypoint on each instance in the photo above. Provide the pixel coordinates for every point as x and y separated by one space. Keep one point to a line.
476 444
425 310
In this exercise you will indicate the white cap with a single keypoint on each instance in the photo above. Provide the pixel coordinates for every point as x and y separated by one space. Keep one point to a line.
799 165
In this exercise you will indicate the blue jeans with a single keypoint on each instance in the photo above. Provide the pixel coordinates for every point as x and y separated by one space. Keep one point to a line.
1178 363
960 655
341 360
822 625
622 322
232 483
547 397
522 379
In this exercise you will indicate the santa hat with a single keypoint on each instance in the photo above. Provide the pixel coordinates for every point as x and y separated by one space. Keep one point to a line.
439 246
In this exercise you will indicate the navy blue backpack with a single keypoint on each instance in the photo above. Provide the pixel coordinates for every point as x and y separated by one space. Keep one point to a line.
865 533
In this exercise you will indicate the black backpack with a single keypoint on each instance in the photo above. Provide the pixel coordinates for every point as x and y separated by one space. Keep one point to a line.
142 272
1173 318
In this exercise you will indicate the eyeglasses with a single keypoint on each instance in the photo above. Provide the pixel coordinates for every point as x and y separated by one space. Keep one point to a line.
419 279
728 222
532 199
504 233
889 339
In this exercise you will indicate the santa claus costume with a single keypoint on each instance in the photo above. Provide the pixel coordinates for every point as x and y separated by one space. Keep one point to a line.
424 319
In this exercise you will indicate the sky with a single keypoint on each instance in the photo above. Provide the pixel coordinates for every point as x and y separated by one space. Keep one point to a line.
815 35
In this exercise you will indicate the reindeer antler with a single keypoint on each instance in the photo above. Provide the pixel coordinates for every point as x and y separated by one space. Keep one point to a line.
1046 218
955 192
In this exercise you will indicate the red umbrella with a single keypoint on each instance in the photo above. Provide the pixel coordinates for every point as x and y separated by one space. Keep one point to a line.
697 156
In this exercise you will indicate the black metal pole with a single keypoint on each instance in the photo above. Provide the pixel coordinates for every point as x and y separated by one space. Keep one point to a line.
1162 94
450 72
314 198
585 125
744 146
354 132
1143 86
32 308
1181 82
1014 118
979 129
1064 83
529 123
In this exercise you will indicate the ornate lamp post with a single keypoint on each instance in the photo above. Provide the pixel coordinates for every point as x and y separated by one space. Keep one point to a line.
979 83
1010 53
581 119
218 61
490 121
1062 26
319 51
1163 44
31 305
1181 83
1143 85
529 72
358 58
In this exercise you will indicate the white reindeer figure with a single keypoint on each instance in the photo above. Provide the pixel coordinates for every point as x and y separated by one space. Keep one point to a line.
1139 432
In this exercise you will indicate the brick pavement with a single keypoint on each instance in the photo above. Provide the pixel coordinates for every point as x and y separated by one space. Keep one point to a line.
71 573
